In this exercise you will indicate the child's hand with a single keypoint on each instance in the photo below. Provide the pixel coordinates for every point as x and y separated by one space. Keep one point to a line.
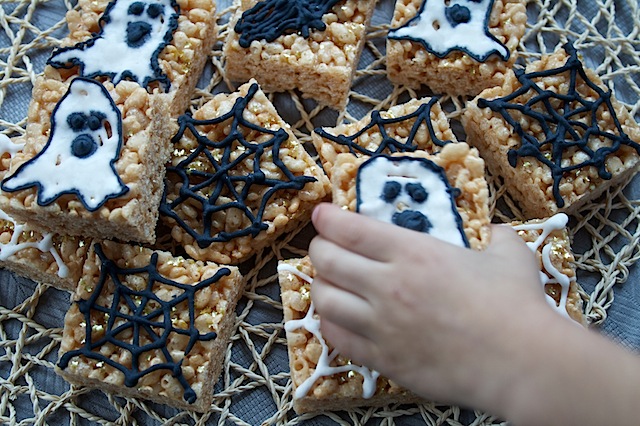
439 319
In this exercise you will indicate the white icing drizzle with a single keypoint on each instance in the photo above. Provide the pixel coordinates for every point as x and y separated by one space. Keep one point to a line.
323 368
433 28
13 246
56 170
554 223
438 208
111 54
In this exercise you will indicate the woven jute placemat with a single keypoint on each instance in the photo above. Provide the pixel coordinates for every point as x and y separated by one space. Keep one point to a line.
255 387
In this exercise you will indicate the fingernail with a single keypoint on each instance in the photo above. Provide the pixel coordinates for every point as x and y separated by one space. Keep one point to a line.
314 214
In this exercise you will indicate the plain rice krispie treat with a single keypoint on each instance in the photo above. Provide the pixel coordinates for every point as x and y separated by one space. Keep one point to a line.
549 240
238 179
291 45
556 144
419 124
469 49
443 194
322 380
42 257
165 49
93 162
145 324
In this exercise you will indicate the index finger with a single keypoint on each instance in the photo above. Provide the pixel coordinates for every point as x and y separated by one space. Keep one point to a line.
355 232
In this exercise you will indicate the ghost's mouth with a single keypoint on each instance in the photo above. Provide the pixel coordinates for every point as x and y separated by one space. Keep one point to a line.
137 33
412 219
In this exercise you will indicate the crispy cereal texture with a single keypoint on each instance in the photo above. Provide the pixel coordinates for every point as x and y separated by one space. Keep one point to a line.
418 124
182 60
531 182
339 391
219 195
410 64
140 166
464 170
321 67
552 246
165 321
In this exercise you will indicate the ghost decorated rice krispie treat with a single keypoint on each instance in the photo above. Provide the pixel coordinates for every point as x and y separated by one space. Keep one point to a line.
555 134
160 44
42 257
457 47
324 380
148 325
238 179
307 45
443 194
549 240
419 124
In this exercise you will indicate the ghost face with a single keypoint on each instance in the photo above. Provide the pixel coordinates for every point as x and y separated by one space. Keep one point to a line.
410 192
79 157
443 26
133 34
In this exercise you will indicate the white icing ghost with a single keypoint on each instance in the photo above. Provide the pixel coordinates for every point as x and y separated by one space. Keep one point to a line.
132 36
444 26
79 157
410 192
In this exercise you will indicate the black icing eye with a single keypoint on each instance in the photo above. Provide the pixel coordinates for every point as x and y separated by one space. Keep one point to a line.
137 33
136 8
94 121
155 10
412 219
417 192
391 190
457 14
77 121
83 146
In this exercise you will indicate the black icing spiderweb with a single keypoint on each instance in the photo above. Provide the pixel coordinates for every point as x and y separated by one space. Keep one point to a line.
388 143
569 122
149 318
270 19
225 179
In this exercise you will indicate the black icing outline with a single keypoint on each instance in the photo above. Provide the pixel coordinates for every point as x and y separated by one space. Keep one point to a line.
390 145
270 19
140 321
431 166
158 75
564 121
222 179
75 192
454 48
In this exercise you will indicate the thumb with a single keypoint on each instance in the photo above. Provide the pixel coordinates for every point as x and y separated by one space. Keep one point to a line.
505 241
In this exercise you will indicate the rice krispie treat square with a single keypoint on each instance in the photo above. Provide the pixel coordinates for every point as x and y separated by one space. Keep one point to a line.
322 379
238 179
419 124
161 44
314 48
93 160
549 240
555 134
145 324
458 47
42 257
443 194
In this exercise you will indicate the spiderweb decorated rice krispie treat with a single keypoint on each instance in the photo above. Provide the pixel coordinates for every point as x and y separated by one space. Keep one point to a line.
555 134
161 44
238 179
458 47
149 325
309 45
43 257
419 124
549 240
322 378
